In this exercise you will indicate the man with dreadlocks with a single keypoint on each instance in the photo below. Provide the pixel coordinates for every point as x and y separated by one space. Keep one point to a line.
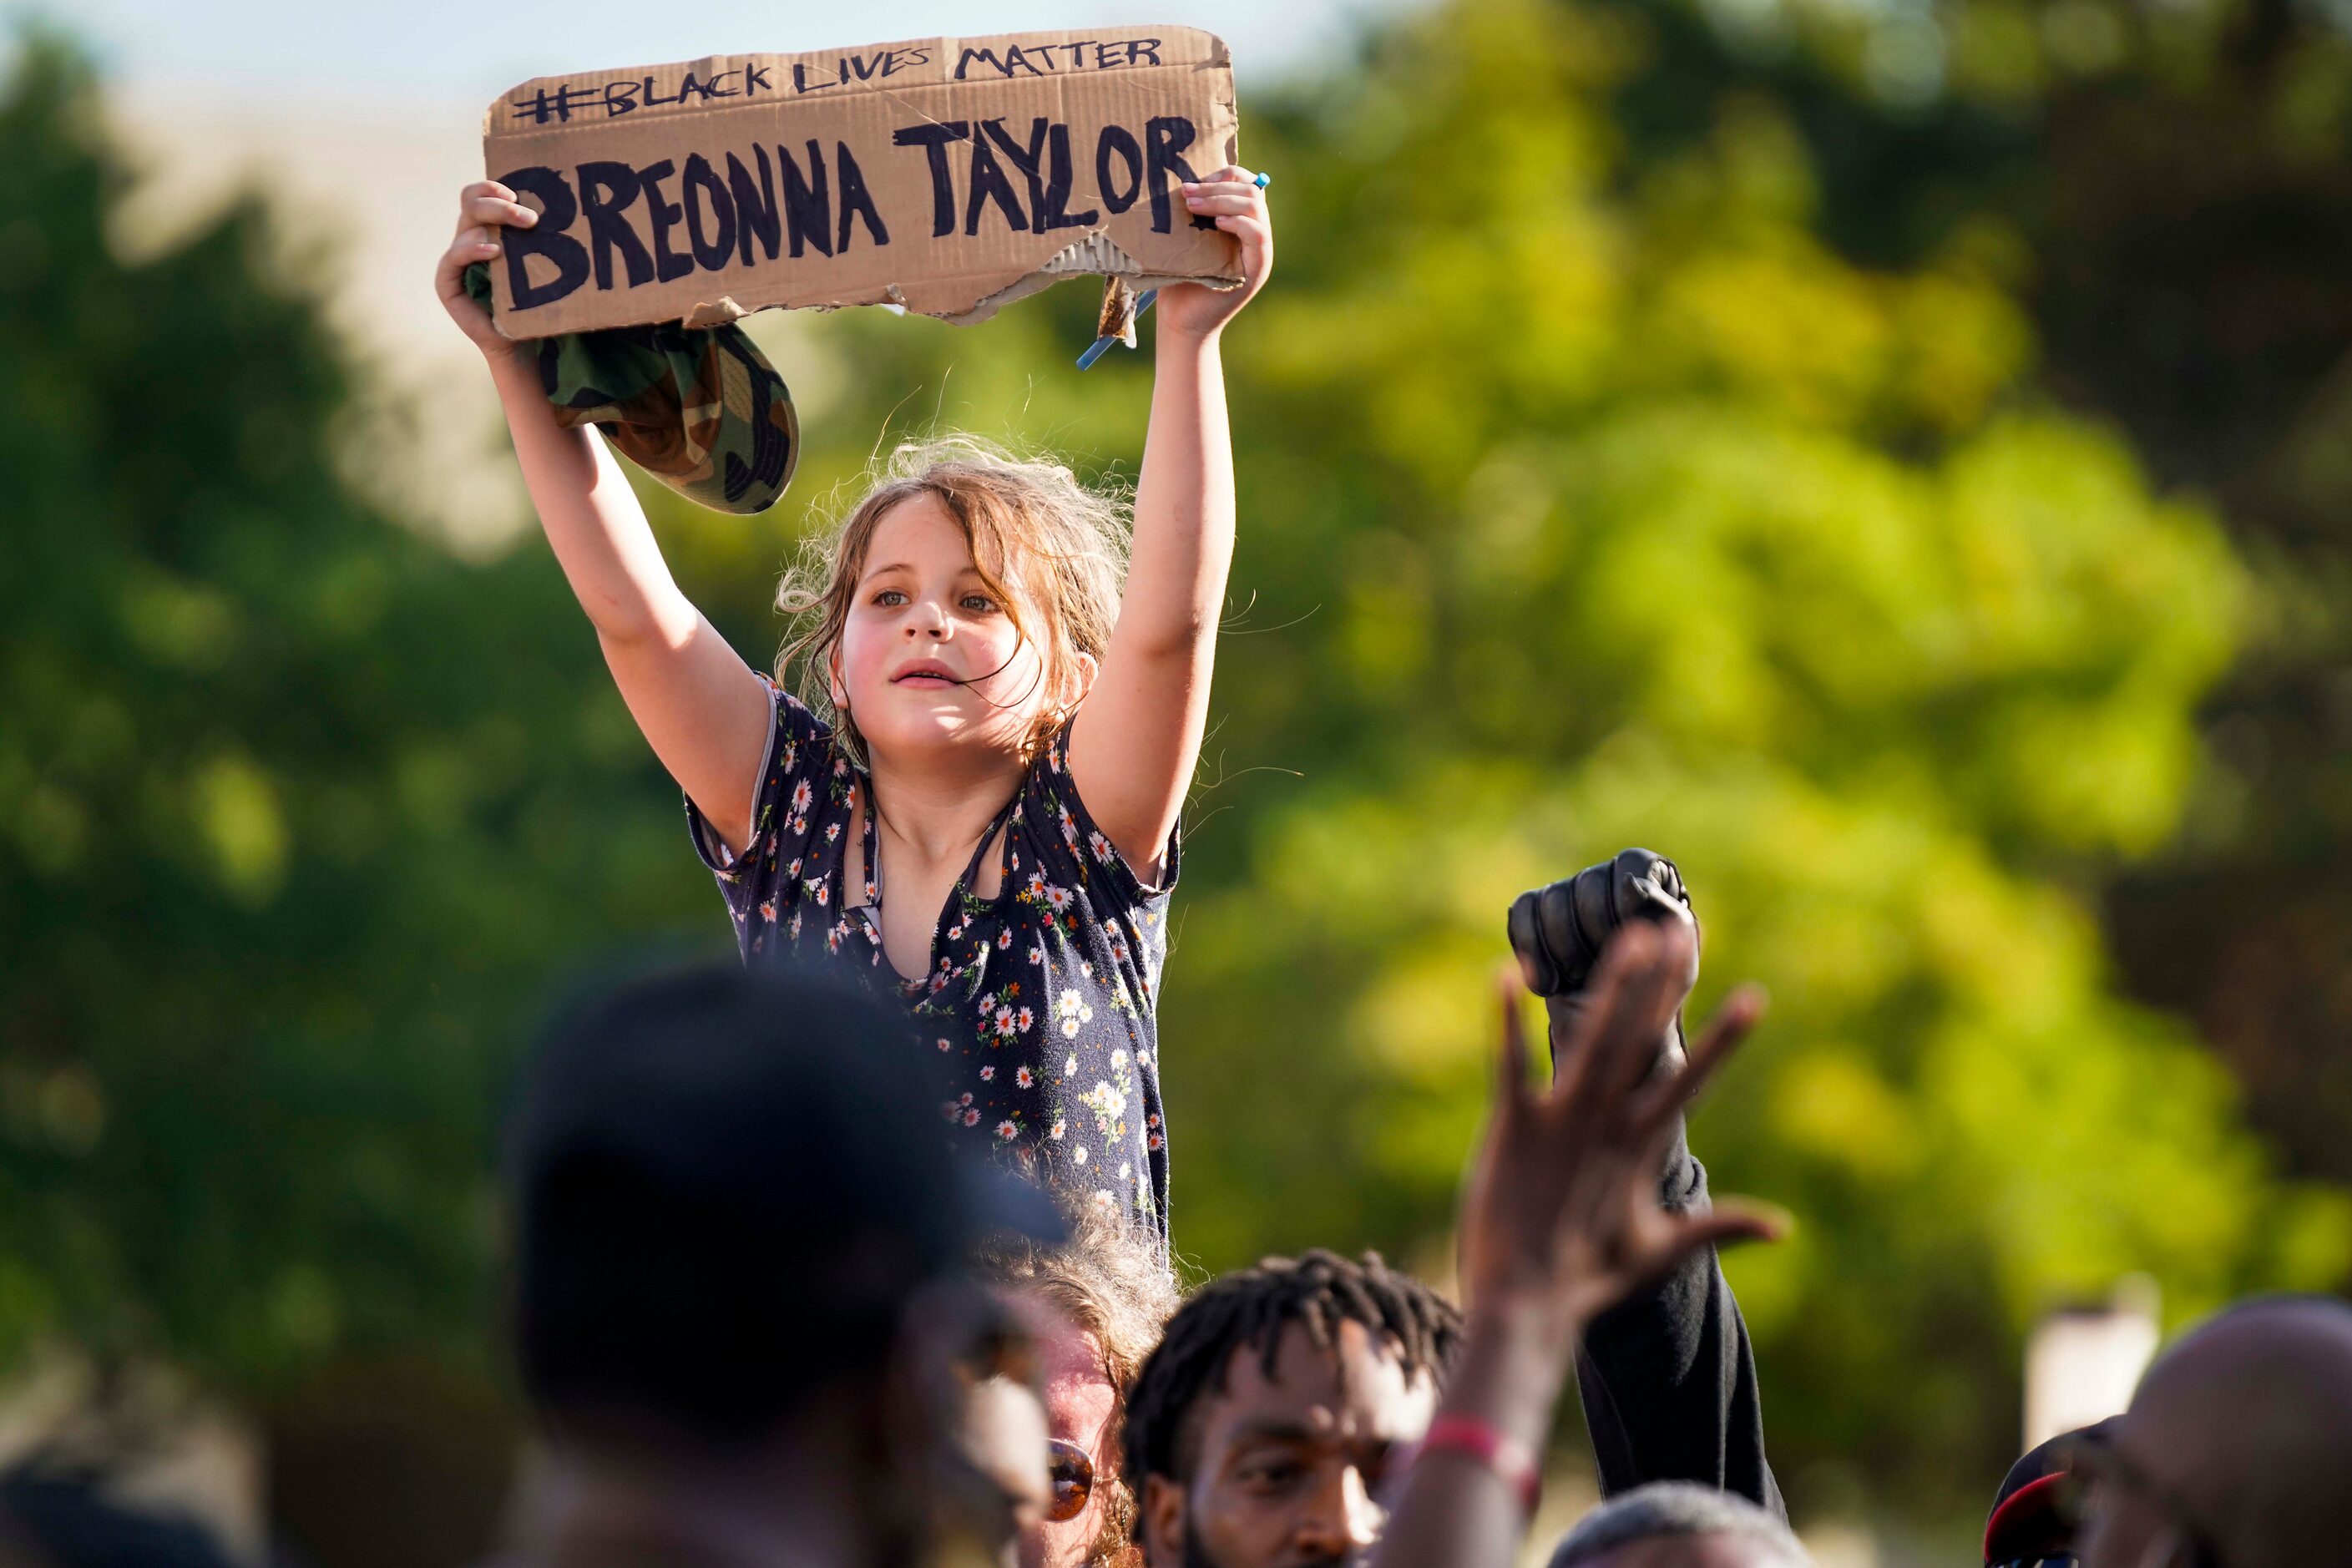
1263 1426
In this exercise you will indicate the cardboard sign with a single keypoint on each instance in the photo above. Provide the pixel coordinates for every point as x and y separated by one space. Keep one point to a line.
947 175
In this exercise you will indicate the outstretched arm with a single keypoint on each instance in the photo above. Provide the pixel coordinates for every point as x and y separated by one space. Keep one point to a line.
1132 753
698 704
1668 1376
1561 1221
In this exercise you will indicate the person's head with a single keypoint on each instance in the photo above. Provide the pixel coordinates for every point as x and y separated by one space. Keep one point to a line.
1095 1306
2235 1451
1262 1426
742 1261
964 601
1678 1524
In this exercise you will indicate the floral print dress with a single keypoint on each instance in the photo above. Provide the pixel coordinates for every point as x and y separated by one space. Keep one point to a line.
1042 1000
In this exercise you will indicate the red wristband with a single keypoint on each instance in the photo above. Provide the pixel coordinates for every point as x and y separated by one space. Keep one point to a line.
1509 1458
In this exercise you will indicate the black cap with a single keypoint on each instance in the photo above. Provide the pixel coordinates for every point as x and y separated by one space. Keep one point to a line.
726 1186
2031 1520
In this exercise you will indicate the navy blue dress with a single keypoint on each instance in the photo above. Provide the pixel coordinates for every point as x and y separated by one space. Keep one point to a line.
1042 999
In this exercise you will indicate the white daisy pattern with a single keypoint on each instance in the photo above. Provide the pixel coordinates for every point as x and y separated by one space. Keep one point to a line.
1036 1002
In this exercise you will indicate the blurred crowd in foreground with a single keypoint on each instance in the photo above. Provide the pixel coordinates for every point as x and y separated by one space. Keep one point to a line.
765 1315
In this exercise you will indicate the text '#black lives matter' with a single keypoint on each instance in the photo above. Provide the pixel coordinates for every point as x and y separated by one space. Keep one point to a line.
711 216
613 100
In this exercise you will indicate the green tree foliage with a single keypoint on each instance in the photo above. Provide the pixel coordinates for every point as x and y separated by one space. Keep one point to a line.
1661 523
1591 498
296 812
2175 183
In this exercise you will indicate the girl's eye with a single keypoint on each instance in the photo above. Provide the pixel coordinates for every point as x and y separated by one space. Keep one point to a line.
979 604
890 598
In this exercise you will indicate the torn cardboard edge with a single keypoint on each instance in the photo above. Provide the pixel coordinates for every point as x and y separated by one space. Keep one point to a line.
946 176
1120 309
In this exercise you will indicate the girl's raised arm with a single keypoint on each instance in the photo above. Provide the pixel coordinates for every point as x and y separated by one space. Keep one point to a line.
704 711
1132 752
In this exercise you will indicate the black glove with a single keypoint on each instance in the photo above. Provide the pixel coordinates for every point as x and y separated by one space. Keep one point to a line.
1559 931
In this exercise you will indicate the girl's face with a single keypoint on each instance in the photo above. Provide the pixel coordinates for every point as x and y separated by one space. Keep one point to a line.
929 658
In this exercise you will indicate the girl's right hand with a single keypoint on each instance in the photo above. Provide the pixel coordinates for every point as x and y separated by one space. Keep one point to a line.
483 208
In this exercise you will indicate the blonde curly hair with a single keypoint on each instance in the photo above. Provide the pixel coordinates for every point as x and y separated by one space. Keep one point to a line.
1053 550
1110 1280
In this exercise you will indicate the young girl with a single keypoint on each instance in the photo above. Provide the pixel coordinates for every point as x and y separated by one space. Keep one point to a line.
981 811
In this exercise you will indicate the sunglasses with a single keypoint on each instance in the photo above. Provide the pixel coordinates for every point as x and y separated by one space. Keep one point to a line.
2093 1460
1073 1476
997 1345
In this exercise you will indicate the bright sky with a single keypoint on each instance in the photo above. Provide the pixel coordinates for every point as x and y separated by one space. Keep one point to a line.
250 50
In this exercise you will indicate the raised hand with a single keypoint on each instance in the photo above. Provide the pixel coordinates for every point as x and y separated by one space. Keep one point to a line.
1233 197
483 208
1561 1218
1561 1221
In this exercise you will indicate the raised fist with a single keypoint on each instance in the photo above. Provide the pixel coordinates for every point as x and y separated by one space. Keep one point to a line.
1557 933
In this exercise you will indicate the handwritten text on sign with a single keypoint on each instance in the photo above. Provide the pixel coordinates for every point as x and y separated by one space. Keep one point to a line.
752 79
941 174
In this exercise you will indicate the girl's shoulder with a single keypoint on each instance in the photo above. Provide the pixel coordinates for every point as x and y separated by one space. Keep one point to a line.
798 739
803 780
1065 836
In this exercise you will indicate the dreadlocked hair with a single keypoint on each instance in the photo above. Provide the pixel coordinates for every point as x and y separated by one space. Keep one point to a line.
1248 1309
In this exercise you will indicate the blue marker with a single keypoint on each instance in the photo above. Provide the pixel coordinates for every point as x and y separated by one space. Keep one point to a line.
1102 345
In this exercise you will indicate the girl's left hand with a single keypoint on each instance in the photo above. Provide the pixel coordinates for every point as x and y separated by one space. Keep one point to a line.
1232 196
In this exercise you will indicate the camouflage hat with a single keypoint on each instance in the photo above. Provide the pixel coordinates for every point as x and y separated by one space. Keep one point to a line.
700 409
